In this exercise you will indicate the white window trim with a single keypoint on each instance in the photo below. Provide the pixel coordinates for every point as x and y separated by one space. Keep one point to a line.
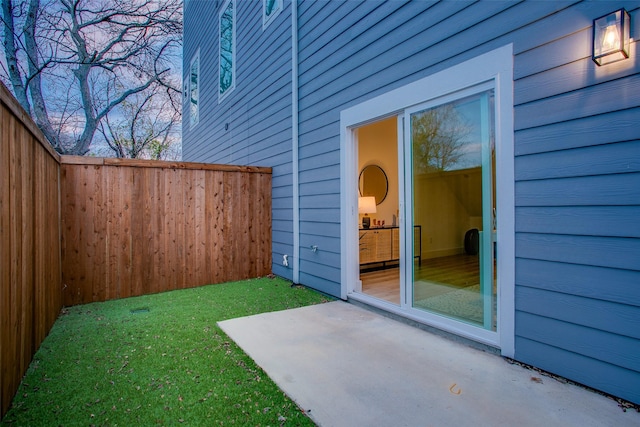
495 66
222 96
194 121
266 20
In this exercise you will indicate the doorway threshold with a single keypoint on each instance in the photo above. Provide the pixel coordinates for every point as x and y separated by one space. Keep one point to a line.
394 312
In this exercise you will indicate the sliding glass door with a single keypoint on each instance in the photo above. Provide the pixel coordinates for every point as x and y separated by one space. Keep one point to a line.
451 188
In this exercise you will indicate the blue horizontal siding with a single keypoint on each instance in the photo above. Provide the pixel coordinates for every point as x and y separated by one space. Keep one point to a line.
603 221
577 203
613 252
622 157
620 320
611 127
601 190
598 283
599 99
323 260
314 200
432 49
320 187
585 341
617 380
572 76
320 215
325 279
326 244
315 170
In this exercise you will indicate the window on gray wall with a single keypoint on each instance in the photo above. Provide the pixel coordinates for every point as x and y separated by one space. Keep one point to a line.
270 9
194 90
227 49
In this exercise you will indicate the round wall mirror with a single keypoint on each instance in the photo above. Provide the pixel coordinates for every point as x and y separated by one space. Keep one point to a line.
373 182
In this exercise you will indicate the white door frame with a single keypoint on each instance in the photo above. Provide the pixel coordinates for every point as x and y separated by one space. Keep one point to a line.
495 67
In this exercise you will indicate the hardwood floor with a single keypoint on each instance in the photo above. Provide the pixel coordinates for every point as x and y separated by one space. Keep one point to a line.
382 284
458 271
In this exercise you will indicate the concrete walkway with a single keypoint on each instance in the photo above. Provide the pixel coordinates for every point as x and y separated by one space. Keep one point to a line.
347 366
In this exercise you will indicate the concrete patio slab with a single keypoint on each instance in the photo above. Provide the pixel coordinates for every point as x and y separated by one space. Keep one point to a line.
348 366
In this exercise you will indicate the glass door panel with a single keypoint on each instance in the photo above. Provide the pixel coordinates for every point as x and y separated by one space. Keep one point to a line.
452 192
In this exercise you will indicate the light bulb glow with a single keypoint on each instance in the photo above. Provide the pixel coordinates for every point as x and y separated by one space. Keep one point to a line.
611 37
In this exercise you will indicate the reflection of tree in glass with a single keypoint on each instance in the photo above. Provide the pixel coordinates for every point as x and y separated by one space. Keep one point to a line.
195 69
438 139
269 6
226 49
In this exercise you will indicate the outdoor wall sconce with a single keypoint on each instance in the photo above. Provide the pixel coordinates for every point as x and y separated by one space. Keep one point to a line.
611 37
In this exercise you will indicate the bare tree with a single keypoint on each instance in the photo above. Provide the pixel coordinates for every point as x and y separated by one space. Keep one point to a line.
72 62
142 127
438 139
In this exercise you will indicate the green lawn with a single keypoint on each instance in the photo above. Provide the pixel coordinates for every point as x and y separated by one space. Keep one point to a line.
158 360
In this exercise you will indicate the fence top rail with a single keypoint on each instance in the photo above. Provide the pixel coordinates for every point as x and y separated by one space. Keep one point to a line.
160 164
7 99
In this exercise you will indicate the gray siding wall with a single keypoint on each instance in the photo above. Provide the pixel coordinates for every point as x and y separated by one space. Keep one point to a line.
257 112
577 162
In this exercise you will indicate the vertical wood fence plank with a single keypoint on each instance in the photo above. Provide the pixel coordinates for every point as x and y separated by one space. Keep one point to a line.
267 228
90 219
70 238
168 275
125 184
157 282
113 274
27 343
50 244
17 282
200 261
6 392
215 205
139 201
40 227
189 239
180 201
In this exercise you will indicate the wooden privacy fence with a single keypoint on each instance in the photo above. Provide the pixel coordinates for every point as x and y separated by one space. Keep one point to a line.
133 227
30 286
77 230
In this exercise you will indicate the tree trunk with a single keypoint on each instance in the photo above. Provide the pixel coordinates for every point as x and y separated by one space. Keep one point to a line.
35 82
10 52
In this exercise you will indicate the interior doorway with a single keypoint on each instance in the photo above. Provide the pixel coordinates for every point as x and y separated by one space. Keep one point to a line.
378 207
